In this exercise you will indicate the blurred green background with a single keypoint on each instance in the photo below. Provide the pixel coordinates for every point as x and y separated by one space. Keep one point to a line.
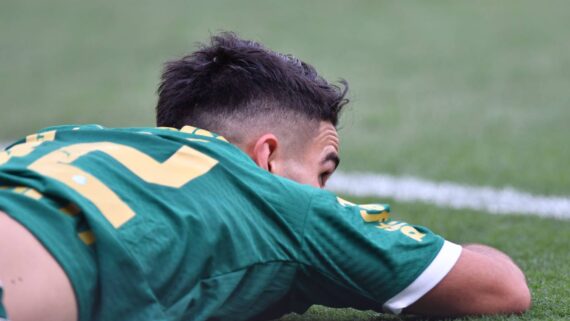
467 91
472 92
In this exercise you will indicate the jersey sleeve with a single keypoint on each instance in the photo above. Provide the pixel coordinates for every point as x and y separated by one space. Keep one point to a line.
357 256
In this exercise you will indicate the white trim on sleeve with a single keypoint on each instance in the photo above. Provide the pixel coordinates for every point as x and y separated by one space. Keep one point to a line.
430 277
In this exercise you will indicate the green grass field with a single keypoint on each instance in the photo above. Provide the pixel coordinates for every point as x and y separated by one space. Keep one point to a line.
539 246
471 92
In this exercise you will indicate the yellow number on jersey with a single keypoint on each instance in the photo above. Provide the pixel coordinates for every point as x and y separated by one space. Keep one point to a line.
21 150
183 166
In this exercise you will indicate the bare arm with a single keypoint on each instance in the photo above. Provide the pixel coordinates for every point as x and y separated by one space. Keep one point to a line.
36 286
483 281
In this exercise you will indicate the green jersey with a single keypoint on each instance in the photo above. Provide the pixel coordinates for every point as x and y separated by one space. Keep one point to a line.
3 315
161 224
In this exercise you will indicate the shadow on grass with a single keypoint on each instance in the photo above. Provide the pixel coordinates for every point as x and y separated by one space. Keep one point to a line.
319 313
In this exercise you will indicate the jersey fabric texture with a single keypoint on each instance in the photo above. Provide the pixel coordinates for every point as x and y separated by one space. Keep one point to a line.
161 224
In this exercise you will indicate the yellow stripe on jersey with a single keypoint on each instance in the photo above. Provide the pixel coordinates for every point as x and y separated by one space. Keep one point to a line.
21 150
188 129
174 172
26 191
367 217
41 137
203 132
87 237
70 209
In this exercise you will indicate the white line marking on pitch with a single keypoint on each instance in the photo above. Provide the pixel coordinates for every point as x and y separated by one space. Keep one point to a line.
446 194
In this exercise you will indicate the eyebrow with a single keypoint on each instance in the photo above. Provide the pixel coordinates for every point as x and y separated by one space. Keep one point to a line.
332 156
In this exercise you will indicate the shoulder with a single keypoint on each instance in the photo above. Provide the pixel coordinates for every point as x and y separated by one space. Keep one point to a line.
361 246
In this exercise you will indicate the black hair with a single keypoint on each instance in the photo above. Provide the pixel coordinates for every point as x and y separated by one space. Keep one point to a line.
233 79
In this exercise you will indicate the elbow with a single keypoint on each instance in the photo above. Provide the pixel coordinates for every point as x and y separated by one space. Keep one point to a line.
522 301
516 299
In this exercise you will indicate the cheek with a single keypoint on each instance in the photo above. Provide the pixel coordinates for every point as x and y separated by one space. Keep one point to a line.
302 174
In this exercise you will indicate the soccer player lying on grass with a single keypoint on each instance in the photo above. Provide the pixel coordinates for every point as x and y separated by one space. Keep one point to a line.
177 223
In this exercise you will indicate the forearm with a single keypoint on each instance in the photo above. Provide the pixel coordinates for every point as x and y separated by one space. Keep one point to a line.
483 281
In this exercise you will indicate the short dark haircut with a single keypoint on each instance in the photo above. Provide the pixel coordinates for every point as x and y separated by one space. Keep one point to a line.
232 79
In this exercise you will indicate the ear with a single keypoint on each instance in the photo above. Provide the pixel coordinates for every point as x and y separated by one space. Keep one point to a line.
264 151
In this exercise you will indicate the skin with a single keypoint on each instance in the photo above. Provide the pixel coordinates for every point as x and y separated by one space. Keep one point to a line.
483 281
35 286
312 163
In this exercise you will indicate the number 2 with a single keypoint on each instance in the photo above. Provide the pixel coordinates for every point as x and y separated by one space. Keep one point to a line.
183 166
